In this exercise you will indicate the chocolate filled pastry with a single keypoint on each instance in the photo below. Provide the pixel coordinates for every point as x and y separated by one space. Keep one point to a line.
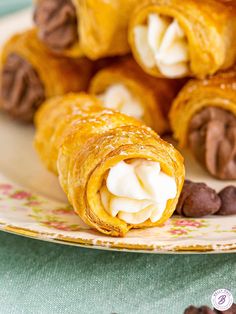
22 91
123 86
57 22
203 117
95 28
117 173
178 38
30 74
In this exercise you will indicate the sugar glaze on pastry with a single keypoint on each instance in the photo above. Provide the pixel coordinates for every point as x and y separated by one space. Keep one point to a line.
162 43
92 148
125 87
119 97
137 191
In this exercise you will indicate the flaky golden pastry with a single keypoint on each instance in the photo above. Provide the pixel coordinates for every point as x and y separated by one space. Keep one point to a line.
184 37
30 74
81 141
203 117
154 95
59 75
101 26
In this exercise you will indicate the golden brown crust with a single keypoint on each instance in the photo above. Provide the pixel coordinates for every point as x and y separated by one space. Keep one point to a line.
218 91
102 28
210 27
80 141
155 94
58 75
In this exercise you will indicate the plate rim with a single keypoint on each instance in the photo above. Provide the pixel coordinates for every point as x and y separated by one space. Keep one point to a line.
120 247
50 237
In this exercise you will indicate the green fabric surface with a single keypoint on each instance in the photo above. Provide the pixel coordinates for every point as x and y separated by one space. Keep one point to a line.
40 277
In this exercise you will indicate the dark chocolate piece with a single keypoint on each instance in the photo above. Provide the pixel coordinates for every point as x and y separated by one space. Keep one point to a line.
197 200
212 139
22 91
57 23
228 201
206 310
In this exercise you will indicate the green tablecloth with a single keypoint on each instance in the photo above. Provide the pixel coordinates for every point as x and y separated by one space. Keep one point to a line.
39 277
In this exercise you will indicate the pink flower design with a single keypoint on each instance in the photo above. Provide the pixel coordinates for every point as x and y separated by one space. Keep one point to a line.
187 223
61 226
63 211
21 195
178 231
33 203
5 186
5 192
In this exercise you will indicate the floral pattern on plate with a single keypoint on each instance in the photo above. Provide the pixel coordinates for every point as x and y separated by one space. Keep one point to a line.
29 214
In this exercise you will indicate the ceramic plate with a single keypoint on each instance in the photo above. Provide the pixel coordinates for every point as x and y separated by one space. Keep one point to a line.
32 203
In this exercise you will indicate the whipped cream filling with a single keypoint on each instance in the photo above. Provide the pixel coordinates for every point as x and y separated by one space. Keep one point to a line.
162 43
118 97
137 191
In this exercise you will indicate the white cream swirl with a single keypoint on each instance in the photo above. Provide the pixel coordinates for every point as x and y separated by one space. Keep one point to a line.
162 43
118 97
137 191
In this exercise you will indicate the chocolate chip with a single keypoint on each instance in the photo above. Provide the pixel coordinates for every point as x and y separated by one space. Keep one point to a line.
206 310
228 201
197 200
198 310
232 310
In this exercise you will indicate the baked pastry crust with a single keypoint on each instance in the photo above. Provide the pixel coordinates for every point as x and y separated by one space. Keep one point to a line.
102 28
155 94
217 91
210 28
80 141
59 75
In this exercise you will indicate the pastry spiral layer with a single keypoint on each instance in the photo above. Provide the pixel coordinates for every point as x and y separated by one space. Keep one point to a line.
30 74
123 86
203 117
95 28
116 172
177 38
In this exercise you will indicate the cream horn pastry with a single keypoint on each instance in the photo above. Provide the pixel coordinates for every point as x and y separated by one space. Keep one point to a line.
123 86
117 173
203 118
96 28
30 74
178 38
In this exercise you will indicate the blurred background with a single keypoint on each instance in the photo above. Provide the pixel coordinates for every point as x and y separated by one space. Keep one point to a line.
8 6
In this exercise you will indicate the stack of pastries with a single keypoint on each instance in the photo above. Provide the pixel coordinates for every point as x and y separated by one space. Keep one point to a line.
104 79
